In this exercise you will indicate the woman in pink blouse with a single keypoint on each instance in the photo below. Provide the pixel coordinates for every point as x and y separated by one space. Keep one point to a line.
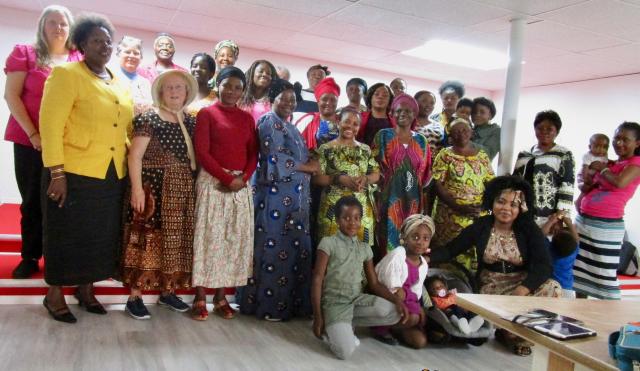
27 68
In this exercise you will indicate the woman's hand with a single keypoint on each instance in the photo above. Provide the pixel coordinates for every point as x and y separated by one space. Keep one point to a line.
313 165
236 184
57 190
318 326
400 294
36 142
138 200
348 182
470 210
404 312
520 291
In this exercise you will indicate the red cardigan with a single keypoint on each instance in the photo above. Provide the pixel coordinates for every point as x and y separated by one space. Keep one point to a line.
364 119
226 139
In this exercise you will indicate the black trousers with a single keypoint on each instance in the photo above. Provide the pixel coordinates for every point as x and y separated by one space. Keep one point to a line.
28 168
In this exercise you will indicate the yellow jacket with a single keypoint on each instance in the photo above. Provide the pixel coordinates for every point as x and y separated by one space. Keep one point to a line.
84 121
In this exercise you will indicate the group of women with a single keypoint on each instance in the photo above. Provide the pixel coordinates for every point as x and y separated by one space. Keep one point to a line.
147 175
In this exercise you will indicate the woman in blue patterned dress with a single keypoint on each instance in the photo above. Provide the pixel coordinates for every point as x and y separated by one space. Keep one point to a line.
279 287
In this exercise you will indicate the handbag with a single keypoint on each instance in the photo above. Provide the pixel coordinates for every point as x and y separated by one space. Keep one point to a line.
624 346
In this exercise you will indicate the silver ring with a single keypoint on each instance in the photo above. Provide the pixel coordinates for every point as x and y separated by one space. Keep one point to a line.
52 195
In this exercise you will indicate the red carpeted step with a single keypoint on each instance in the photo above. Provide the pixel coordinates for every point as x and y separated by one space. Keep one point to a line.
9 220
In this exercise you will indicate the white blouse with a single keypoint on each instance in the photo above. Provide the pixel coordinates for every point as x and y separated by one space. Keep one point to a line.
392 271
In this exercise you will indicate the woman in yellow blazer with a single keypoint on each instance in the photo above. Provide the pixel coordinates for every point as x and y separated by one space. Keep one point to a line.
84 120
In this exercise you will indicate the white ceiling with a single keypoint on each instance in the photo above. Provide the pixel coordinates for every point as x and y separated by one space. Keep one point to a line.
565 40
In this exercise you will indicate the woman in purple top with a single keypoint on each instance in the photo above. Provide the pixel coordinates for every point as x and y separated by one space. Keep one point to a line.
27 68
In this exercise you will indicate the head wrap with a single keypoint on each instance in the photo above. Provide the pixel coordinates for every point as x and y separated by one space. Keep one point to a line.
192 90
227 44
457 121
319 67
359 81
327 85
414 221
278 86
413 104
231 71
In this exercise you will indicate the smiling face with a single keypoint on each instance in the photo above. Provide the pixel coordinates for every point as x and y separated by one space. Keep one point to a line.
546 133
56 28
174 92
380 98
200 70
225 58
262 76
327 104
482 115
349 220
598 146
506 207
349 126
284 104
426 102
97 47
315 76
404 115
130 57
625 143
164 49
417 242
230 90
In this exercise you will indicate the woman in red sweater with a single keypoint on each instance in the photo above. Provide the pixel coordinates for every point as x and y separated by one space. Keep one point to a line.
226 147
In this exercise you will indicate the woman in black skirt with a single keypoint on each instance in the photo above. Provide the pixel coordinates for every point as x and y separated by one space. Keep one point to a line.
84 120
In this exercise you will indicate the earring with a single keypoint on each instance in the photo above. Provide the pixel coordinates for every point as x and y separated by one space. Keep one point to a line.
402 241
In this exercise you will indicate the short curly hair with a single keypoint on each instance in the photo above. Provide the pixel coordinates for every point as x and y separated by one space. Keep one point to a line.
456 86
346 201
465 102
497 185
482 101
84 24
372 90
548 115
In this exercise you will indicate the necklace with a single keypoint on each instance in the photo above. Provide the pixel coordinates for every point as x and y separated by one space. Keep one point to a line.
104 75
501 236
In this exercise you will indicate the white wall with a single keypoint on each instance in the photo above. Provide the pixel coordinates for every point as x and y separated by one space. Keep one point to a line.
586 108
19 27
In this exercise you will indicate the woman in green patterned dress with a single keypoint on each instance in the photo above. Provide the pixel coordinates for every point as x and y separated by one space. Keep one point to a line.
347 167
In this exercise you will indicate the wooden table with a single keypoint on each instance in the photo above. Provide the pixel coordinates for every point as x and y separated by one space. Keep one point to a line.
604 317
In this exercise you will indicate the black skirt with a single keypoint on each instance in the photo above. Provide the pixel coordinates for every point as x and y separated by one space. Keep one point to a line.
82 239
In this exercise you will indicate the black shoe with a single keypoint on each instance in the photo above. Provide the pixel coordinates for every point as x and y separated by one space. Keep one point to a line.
25 269
95 308
62 314
173 302
387 339
136 309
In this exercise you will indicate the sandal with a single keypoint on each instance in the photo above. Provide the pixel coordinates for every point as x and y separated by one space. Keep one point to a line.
92 305
199 310
224 310
516 344
61 314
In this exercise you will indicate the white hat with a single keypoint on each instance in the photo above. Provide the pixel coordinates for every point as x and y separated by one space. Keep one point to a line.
192 86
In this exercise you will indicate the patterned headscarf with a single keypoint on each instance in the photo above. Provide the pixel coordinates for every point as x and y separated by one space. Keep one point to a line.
227 44
413 104
457 121
413 222
519 197
327 85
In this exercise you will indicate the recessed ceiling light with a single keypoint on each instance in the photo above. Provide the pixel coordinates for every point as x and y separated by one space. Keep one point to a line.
459 54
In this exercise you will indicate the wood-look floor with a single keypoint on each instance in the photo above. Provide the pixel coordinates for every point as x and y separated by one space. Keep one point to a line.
30 340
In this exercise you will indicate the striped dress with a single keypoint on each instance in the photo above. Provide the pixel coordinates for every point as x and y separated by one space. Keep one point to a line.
601 230
405 170
552 177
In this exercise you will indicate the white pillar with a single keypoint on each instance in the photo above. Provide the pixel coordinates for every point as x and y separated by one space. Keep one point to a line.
511 97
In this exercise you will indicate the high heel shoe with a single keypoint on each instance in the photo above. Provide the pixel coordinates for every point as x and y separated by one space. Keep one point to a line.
61 314
94 307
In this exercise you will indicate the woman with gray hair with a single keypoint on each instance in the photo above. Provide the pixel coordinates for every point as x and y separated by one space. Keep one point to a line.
164 48
27 68
129 53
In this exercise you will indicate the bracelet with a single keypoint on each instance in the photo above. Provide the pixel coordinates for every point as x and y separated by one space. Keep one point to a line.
58 177
604 170
60 170
32 134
